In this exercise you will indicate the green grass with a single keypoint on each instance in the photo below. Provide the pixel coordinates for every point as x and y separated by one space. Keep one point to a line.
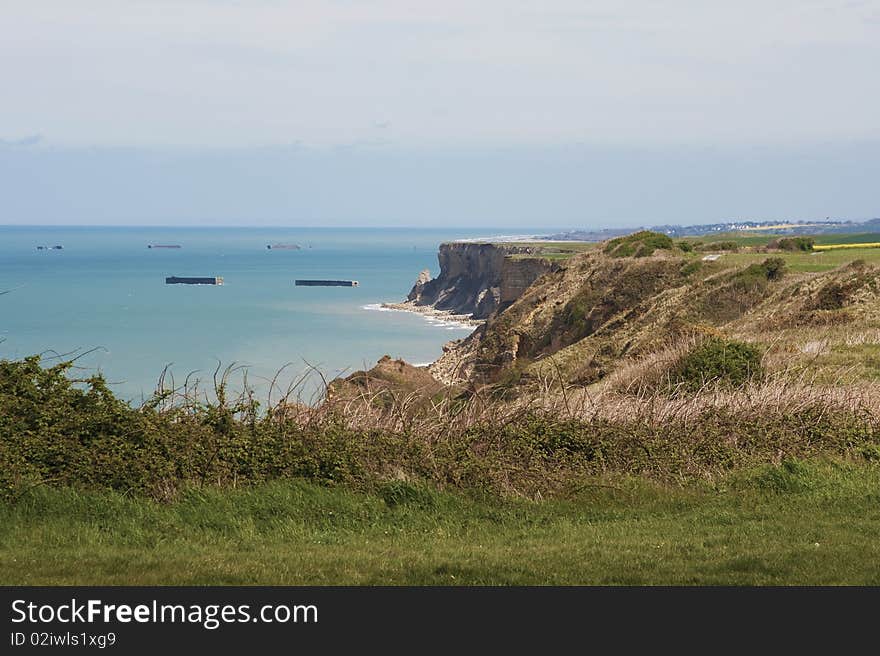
843 363
756 239
554 250
859 238
741 238
558 245
803 262
799 523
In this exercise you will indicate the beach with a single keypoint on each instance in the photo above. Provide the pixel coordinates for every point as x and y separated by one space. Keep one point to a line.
432 314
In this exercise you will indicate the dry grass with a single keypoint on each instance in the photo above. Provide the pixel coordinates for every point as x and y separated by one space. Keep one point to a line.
631 394
640 390
648 372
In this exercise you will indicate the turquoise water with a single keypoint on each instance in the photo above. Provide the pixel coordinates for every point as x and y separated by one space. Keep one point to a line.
105 291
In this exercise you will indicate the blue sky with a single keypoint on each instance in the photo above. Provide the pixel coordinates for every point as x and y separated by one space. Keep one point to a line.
378 112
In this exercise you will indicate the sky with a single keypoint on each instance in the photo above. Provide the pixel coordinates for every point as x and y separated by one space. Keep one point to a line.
381 112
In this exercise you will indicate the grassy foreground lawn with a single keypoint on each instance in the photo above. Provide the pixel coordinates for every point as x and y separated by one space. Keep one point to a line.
799 523
806 262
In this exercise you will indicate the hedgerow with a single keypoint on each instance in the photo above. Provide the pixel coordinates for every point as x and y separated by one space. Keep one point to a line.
55 430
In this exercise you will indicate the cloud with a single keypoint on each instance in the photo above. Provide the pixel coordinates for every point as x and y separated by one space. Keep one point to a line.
495 73
29 140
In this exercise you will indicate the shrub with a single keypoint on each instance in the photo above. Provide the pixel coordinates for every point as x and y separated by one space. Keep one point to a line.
58 432
832 296
757 275
835 295
691 268
638 244
720 246
717 360
511 377
870 452
804 244
685 246
774 268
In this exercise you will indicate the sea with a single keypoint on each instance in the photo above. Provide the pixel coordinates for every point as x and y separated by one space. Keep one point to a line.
102 301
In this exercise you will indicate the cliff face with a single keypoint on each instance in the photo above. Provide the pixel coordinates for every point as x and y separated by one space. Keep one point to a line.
581 322
518 274
477 279
618 320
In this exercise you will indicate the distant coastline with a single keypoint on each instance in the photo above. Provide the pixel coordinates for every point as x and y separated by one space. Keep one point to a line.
700 230
788 227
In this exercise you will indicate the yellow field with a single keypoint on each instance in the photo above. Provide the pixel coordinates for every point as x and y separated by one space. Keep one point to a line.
829 247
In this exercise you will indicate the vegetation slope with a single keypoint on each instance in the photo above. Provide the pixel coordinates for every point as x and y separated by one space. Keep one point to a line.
640 415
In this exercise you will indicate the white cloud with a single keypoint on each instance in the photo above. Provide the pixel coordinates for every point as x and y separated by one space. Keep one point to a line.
28 140
499 71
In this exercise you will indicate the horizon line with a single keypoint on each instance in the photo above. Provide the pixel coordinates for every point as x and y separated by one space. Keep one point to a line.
585 226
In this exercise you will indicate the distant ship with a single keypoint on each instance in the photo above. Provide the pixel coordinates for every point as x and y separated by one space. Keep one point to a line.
197 280
54 248
326 283
164 246
283 247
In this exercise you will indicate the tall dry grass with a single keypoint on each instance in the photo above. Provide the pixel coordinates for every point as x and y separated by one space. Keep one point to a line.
552 441
640 391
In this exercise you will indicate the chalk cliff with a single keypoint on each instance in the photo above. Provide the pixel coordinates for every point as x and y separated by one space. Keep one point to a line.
479 278
630 306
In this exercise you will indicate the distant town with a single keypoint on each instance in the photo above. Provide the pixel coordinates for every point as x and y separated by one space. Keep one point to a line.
776 227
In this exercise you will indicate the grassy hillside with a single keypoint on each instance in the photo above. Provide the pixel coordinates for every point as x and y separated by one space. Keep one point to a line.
815 262
749 246
609 308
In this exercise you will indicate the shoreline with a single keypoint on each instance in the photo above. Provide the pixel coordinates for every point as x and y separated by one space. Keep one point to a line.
464 320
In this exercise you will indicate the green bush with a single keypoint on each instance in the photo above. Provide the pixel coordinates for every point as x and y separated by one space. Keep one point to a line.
804 244
509 378
756 276
870 452
774 268
685 246
691 267
718 361
638 244
720 246
56 429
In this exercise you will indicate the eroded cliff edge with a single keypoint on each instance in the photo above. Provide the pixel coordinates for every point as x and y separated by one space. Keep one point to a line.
478 279
622 314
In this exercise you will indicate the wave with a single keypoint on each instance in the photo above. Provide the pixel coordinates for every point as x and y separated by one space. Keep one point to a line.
378 307
431 320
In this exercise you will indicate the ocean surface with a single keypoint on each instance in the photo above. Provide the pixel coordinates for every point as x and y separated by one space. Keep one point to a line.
104 297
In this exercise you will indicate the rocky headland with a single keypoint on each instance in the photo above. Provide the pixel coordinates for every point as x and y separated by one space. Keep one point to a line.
475 281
